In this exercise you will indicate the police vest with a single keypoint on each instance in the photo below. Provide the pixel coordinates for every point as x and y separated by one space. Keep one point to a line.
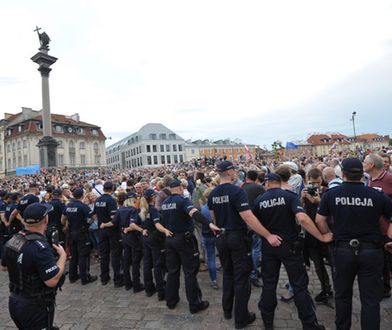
30 285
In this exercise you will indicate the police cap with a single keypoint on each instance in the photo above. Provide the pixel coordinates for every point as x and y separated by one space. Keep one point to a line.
352 165
175 183
273 177
108 185
77 193
57 192
149 193
224 166
35 212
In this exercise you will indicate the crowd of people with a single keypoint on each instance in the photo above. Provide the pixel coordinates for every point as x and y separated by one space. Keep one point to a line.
147 223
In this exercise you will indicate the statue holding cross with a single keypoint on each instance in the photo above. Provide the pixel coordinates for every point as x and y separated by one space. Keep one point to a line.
43 39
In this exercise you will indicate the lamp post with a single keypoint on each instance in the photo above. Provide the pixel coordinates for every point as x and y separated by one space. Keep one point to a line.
353 120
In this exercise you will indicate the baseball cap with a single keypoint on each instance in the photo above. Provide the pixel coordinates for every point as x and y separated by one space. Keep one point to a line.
57 192
293 166
35 212
77 193
224 166
273 177
175 183
352 165
108 185
149 193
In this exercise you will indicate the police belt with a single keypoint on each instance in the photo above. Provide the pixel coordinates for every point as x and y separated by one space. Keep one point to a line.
40 300
357 244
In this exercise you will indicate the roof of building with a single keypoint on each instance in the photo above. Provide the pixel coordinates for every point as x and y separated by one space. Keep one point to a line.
327 139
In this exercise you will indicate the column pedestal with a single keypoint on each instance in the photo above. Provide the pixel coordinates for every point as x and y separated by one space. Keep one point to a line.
47 152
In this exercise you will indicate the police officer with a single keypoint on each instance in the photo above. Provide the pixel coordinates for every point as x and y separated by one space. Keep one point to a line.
181 248
153 244
132 251
54 223
30 198
279 210
230 208
109 237
33 271
356 211
75 217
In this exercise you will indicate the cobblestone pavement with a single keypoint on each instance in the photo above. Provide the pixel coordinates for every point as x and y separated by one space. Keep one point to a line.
104 307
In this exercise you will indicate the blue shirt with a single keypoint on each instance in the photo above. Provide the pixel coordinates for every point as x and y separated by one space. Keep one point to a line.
355 211
227 201
38 258
124 216
175 213
77 214
55 215
277 209
151 219
105 207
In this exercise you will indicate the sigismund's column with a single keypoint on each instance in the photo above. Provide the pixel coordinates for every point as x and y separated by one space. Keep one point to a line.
47 145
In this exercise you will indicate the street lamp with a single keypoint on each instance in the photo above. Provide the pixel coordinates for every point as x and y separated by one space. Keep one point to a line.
353 120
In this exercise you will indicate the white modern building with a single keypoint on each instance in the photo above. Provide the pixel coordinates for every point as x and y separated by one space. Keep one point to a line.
81 145
153 145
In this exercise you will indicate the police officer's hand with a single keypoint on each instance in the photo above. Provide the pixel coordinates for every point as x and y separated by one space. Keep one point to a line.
327 238
102 226
59 249
388 247
145 232
214 228
168 233
274 240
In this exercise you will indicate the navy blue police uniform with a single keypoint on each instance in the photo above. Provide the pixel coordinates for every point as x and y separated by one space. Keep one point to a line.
109 238
153 254
277 210
30 262
356 210
25 201
3 228
77 214
181 249
131 246
15 225
54 221
234 246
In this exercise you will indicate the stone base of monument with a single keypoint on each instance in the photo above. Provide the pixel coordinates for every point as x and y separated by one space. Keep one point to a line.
48 152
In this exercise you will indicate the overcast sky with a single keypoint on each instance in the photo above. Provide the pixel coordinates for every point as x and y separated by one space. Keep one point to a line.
254 70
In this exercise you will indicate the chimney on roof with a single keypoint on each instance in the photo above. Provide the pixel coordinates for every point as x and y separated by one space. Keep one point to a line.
75 117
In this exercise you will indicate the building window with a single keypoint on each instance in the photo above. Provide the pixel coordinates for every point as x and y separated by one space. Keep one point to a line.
175 159
24 160
154 148
149 160
162 136
24 144
180 147
19 160
155 160
174 147
80 130
82 145
162 159
19 145
153 136
97 159
39 126
141 161
60 144
59 129
162 148
9 163
96 148
148 148
172 136
94 131
20 128
8 148
168 159
181 158
140 149
167 147
83 159
72 159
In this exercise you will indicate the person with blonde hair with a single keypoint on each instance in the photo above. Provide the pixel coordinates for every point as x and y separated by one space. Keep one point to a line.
148 223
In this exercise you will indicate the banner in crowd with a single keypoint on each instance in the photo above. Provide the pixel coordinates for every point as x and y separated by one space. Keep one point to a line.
34 169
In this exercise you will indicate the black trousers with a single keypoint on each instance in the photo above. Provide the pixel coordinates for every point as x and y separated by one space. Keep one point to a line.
110 248
28 314
367 266
153 258
132 255
317 255
235 254
273 257
182 251
80 247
